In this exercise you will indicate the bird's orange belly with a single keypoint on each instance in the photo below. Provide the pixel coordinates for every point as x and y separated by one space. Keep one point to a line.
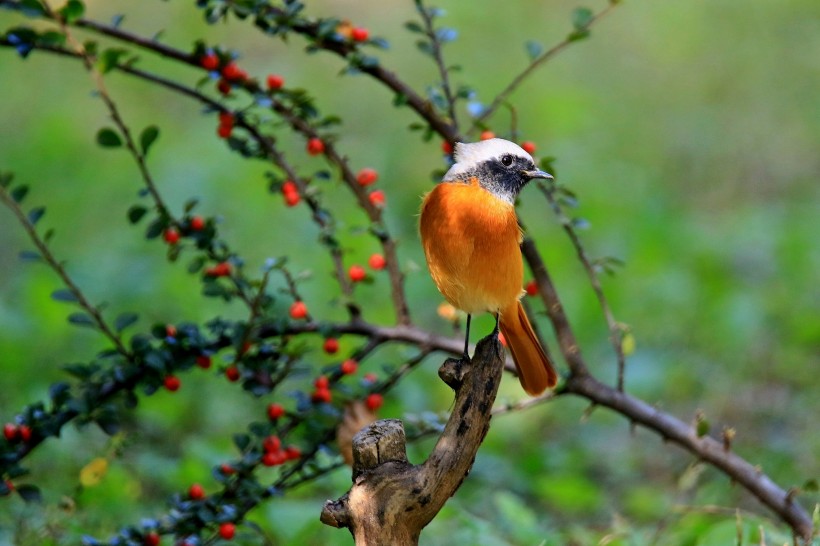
471 242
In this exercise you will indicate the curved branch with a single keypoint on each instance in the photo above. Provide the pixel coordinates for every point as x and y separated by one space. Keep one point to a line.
706 448
581 383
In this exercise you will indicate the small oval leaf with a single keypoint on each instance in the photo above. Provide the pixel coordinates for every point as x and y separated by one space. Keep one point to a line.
136 213
124 321
65 295
148 137
108 138
81 319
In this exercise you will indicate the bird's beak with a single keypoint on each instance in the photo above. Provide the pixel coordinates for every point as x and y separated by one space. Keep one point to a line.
536 173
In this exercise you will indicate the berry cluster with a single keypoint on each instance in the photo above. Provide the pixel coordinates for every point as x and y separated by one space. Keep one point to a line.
291 193
188 226
16 433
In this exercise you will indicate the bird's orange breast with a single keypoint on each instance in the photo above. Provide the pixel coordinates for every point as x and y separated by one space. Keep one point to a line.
471 241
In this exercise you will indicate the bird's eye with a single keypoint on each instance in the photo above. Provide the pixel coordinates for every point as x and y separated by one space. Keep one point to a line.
506 160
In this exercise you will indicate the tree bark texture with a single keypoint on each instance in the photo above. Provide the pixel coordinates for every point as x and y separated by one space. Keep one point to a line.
391 500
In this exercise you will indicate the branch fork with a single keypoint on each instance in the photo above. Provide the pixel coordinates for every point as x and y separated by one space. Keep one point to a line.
392 500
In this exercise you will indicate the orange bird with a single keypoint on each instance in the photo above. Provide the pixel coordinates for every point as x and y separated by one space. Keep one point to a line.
471 240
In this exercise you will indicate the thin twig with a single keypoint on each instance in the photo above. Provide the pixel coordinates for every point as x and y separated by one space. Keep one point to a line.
444 73
615 332
535 64
57 267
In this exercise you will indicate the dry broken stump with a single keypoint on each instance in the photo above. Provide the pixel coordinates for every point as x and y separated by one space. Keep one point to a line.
391 500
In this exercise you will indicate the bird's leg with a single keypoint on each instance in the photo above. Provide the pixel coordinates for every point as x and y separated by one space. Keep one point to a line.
467 339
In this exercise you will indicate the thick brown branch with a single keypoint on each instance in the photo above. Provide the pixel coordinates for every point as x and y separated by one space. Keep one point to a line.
706 448
391 500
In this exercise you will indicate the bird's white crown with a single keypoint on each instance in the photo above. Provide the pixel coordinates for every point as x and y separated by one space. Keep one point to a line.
469 155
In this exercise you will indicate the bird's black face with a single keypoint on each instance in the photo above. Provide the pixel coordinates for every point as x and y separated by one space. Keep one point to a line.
506 175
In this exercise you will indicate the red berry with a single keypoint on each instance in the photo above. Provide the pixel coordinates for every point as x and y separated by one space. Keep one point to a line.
172 383
315 146
271 444
331 345
377 198
222 269
203 361
528 146
275 81
209 61
356 273
227 469
197 223
374 401
359 34
170 330
367 176
273 458
232 72
370 377
223 86
224 131
292 453
298 310
151 539
9 486
289 186
275 411
226 118
196 492
10 432
25 432
447 147
171 235
292 199
322 382
486 135
349 366
232 373
227 531
377 262
531 288
321 396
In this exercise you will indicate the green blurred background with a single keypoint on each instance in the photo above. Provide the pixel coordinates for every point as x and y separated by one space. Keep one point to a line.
691 133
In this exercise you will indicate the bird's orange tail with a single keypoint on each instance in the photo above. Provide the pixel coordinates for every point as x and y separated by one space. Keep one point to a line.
535 370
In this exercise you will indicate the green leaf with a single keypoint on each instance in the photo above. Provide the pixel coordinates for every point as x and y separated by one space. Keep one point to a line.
108 138
72 11
29 493
147 138
811 486
5 179
32 8
242 441
191 204
30 256
534 49
702 427
413 26
581 18
124 321
80 371
59 393
135 213
109 59
65 295
81 319
19 193
36 214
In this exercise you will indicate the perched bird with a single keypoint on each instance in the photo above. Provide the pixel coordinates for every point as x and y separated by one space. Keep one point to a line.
470 234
